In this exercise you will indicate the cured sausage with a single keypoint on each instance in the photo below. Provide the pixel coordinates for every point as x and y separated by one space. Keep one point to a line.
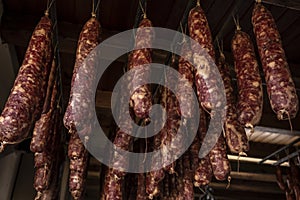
193 153
280 86
78 166
166 187
114 178
206 77
112 188
250 96
43 129
24 104
219 160
235 134
140 100
203 172
47 162
179 180
81 97
187 70
141 192
155 177
174 191
188 187
199 29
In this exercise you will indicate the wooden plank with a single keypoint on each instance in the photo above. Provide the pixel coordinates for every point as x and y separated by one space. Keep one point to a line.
253 176
243 186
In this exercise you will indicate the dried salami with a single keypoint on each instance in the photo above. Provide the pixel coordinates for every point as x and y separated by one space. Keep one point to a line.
188 187
47 163
153 178
123 141
78 172
75 148
140 100
199 29
41 178
141 190
43 129
115 177
203 171
280 86
206 76
166 187
24 104
186 69
179 180
81 97
77 181
174 191
235 135
219 161
194 154
112 188
250 96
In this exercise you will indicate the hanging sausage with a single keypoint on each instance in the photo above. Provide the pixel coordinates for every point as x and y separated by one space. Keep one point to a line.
280 86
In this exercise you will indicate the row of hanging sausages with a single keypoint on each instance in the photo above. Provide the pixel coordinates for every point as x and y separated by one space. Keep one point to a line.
32 104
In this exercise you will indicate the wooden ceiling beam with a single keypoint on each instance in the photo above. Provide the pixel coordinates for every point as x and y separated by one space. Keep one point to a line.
294 5
258 187
253 176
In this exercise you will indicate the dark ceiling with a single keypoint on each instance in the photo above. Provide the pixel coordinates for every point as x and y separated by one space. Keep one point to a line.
21 16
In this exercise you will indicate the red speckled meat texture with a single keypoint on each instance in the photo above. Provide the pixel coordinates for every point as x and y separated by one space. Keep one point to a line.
44 127
76 148
112 188
77 178
250 96
41 178
219 161
280 86
141 190
206 77
24 104
81 97
203 171
187 70
140 100
199 30
188 187
235 135
170 131
153 178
